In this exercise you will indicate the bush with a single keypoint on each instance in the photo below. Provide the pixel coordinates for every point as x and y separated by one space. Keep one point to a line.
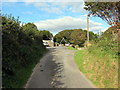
22 49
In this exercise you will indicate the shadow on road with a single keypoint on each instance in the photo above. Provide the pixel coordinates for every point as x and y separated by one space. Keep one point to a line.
56 69
47 72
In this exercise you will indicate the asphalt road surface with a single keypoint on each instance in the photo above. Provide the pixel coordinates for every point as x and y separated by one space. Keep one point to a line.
57 69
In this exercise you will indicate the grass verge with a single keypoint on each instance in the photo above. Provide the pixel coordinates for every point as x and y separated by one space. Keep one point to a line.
99 67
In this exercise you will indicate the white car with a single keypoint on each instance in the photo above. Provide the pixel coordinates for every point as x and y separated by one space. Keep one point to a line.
46 44
67 45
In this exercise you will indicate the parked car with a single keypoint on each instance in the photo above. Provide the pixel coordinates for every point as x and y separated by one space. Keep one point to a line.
46 44
67 45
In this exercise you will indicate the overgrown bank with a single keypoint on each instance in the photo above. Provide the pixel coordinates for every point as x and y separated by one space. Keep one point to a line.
99 62
102 69
22 49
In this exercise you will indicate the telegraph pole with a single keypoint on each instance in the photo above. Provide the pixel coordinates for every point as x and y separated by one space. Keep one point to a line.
87 27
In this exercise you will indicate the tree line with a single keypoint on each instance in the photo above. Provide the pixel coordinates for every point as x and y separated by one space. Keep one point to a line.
74 36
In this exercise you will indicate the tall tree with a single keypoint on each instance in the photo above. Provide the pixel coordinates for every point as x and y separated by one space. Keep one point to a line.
78 36
46 35
63 34
108 11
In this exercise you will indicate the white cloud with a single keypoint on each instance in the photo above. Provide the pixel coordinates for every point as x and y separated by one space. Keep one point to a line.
95 28
56 25
10 0
58 6
54 6
61 0
52 10
42 0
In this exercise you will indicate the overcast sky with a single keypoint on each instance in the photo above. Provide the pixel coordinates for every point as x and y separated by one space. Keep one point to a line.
53 15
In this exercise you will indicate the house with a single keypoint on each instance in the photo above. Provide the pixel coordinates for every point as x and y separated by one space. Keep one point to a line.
48 43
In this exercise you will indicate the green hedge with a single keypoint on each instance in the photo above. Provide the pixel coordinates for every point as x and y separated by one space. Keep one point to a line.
22 49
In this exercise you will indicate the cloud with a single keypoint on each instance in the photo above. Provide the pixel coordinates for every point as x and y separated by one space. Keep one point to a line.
67 22
10 0
58 6
52 10
55 6
42 0
61 0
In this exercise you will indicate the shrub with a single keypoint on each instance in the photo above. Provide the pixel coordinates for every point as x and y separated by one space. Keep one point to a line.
22 49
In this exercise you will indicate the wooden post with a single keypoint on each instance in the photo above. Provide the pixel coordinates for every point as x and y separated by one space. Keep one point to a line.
118 35
87 28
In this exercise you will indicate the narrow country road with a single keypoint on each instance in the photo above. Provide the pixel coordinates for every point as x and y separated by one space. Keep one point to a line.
57 69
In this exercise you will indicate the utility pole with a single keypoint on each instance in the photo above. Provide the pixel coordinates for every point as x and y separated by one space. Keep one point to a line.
87 27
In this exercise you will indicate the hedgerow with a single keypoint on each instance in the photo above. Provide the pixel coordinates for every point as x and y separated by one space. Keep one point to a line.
22 49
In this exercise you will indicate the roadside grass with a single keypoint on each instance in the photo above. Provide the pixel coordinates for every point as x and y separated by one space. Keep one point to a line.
23 73
99 67
71 48
79 59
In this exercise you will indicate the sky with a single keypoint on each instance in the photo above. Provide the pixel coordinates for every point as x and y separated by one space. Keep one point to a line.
53 15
